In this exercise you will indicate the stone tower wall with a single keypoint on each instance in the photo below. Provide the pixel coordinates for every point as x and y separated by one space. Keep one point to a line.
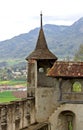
46 101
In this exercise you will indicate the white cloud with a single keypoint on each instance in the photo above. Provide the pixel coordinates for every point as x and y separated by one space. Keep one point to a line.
19 16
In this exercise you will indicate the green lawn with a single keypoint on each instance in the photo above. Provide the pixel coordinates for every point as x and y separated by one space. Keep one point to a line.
7 96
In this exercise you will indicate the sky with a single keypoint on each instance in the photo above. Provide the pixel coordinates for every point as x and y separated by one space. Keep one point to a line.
21 16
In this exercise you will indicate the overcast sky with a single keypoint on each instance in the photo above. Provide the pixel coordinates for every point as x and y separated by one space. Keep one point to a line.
20 16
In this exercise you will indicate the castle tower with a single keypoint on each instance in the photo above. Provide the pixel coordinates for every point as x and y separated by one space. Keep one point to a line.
39 62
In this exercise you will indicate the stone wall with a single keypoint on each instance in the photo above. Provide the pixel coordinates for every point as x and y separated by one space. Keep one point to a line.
46 102
15 115
56 120
69 93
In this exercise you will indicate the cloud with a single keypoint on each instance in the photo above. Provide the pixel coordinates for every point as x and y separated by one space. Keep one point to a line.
20 16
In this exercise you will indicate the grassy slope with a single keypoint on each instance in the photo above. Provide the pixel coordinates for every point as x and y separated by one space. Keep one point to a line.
7 96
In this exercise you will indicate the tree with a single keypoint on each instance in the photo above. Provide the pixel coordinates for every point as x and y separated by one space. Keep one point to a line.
79 54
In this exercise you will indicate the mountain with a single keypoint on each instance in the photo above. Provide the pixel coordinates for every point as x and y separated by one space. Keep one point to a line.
63 41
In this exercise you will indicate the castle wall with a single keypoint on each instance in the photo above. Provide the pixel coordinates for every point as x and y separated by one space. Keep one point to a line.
46 101
15 115
32 77
71 89
76 109
45 81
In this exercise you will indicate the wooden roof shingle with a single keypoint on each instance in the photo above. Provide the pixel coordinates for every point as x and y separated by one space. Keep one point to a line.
66 69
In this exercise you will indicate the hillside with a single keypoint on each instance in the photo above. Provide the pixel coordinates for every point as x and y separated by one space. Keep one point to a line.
63 41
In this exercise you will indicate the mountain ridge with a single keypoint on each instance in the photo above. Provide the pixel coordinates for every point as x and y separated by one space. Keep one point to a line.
62 40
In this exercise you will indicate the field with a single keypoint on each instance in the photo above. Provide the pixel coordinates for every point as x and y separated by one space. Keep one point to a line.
13 82
7 96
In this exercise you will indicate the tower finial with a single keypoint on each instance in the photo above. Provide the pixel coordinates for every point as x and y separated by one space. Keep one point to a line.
41 18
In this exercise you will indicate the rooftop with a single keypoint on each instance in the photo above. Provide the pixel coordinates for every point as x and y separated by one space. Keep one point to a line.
41 51
66 69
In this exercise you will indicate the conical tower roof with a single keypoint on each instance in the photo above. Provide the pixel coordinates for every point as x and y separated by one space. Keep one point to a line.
41 51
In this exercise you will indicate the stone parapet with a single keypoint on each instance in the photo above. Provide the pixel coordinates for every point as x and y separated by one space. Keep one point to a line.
15 115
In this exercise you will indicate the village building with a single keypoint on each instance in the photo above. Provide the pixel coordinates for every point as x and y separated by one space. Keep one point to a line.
54 96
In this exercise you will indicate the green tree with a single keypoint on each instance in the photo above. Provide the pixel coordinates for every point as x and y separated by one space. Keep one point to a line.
79 54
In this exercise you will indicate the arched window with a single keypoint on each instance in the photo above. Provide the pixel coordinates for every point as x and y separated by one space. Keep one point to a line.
77 87
66 120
